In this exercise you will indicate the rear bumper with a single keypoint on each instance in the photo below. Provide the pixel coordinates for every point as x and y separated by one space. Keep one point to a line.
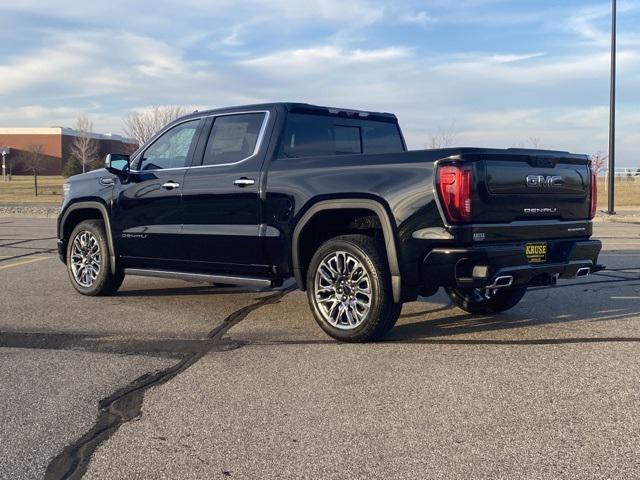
481 266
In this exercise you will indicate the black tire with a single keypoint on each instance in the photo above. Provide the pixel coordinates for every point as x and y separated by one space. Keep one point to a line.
105 282
382 312
473 301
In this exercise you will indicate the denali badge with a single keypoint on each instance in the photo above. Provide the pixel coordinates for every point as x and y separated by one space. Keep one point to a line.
541 210
544 181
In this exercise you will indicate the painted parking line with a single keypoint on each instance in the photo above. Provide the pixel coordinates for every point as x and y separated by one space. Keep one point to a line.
24 262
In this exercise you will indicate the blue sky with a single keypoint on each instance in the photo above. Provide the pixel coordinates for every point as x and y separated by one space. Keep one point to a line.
495 73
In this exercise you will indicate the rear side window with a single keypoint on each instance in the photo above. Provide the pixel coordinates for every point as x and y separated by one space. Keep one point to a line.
233 138
315 135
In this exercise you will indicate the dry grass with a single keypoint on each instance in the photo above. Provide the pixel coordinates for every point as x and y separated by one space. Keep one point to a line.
627 193
20 190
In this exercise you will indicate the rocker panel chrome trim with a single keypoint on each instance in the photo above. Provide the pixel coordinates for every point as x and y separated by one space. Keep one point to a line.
199 277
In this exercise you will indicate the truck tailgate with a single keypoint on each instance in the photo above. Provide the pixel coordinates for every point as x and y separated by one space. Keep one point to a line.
512 187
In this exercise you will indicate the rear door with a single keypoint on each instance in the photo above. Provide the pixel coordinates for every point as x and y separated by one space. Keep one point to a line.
147 209
533 186
221 197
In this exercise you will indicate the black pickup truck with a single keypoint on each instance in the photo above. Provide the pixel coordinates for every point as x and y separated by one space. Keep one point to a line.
257 194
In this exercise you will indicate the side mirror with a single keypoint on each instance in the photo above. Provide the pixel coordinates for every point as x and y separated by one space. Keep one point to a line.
117 163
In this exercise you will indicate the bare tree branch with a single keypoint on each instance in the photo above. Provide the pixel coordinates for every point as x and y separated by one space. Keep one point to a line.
84 148
32 159
536 142
143 125
443 138
598 161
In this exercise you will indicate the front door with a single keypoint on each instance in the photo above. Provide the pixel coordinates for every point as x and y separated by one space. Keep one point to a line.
148 205
221 202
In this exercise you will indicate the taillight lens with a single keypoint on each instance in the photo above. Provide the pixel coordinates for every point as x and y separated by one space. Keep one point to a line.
454 187
594 194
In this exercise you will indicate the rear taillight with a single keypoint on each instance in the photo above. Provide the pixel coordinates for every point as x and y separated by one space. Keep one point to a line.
594 194
454 187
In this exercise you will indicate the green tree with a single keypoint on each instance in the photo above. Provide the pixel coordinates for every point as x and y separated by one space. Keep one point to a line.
71 167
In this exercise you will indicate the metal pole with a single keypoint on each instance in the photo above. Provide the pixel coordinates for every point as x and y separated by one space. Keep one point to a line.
612 115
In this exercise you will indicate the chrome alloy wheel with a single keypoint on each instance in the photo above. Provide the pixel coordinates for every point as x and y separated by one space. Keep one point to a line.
342 290
85 258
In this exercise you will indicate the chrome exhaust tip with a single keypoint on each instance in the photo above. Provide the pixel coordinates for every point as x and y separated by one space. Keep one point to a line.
502 281
583 272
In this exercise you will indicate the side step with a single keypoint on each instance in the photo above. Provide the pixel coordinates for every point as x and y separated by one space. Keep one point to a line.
200 277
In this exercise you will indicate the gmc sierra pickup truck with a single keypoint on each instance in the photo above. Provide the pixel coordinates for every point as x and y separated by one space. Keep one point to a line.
257 194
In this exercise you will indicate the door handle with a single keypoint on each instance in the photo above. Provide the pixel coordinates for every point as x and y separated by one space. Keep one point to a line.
170 185
244 182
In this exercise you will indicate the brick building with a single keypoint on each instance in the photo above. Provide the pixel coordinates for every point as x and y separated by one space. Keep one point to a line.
56 146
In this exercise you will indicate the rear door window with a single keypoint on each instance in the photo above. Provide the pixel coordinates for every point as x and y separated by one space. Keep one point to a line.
233 138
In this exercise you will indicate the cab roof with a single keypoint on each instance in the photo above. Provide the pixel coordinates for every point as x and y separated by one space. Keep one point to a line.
306 108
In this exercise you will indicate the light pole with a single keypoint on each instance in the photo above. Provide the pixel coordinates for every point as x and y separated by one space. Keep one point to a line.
612 115
4 151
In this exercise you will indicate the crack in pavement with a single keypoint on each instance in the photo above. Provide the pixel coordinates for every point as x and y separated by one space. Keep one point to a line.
153 347
125 404
18 242
443 341
39 252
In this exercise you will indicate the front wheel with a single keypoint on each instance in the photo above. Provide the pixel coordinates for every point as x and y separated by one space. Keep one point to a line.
89 261
349 289
484 301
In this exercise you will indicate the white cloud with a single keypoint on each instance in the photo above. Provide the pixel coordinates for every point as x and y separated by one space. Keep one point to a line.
369 54
510 69
421 18
592 23
323 58
96 63
511 57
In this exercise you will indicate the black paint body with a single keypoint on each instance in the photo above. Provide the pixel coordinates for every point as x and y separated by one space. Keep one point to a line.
211 225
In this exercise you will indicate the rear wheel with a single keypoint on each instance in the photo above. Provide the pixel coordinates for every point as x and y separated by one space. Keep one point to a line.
89 260
484 301
349 289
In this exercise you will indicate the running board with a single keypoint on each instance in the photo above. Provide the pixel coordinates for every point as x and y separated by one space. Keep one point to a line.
200 277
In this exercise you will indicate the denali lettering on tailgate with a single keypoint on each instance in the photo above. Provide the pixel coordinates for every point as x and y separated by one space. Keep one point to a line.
541 210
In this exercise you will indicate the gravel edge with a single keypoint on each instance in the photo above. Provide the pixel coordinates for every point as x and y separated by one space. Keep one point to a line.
29 211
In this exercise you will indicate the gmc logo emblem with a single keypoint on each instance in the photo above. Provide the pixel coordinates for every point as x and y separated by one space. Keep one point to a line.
544 181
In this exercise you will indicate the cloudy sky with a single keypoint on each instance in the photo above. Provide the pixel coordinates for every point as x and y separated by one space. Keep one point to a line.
495 73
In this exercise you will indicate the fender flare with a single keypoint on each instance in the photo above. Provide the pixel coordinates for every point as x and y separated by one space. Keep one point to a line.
94 205
362 204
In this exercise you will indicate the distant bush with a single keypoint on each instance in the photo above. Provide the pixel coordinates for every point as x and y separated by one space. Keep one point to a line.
72 167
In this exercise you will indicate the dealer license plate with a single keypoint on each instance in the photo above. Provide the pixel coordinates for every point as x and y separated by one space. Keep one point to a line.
536 252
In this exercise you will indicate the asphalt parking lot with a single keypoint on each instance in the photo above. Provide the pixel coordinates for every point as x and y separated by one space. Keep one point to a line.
175 380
